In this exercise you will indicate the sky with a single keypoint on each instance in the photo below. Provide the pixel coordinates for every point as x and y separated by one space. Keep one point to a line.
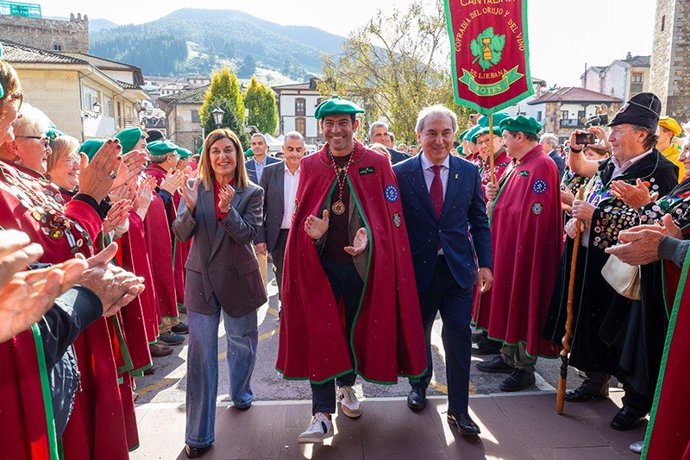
564 35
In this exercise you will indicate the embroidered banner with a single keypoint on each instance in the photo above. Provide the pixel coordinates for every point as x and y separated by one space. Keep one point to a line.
489 53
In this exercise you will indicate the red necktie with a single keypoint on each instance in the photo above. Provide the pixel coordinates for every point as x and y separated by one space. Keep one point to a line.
436 191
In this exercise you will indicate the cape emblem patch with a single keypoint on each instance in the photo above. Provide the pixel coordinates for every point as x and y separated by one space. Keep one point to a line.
397 219
524 173
391 193
367 170
537 208
539 186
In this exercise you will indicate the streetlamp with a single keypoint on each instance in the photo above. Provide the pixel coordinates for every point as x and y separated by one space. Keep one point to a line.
218 116
97 107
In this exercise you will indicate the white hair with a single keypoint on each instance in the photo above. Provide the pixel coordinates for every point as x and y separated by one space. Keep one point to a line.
434 110
33 122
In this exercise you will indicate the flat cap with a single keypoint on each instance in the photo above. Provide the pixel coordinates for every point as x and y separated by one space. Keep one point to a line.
336 106
521 124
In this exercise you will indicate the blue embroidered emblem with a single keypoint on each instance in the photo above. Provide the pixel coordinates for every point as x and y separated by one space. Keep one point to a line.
391 193
539 186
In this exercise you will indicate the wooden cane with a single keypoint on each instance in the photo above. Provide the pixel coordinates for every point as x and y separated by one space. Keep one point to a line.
563 377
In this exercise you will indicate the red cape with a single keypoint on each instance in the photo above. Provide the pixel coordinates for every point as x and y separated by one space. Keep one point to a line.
668 432
388 340
27 428
527 229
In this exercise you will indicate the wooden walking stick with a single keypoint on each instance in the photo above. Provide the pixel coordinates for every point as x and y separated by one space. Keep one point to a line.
563 377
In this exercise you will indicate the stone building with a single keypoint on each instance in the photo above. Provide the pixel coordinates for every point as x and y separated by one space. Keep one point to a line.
623 78
182 117
46 34
671 58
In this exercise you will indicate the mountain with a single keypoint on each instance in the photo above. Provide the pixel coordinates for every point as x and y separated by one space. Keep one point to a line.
194 41
96 25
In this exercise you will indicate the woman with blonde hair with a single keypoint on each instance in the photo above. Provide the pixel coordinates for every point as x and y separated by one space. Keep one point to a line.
221 211
64 164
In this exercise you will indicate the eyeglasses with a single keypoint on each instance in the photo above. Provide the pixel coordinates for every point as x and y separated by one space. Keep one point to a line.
14 97
618 132
43 139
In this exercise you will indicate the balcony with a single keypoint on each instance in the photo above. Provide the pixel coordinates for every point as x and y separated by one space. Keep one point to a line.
572 123
635 88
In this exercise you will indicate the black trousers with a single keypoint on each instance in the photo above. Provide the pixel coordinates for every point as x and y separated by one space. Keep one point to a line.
346 283
278 255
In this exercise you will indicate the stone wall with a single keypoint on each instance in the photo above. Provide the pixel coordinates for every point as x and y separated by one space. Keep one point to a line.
47 34
678 103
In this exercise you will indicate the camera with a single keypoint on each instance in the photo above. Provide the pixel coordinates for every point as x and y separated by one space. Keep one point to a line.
598 120
585 138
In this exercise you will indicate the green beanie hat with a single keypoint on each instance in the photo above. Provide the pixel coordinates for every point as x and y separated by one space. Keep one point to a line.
91 146
158 148
129 137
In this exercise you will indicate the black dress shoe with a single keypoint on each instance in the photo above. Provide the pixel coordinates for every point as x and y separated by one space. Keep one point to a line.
584 394
464 424
626 419
180 328
194 452
487 346
518 380
496 365
416 400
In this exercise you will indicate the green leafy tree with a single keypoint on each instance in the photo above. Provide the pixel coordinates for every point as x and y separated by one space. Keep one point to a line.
229 121
395 65
260 101
224 85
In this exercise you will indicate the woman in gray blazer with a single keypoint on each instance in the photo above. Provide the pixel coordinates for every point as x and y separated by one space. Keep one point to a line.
221 211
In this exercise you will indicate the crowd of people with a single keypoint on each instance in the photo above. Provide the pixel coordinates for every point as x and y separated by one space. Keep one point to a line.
103 244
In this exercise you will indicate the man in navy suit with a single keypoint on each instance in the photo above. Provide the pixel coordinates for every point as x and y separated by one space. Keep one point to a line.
447 226
255 169
378 132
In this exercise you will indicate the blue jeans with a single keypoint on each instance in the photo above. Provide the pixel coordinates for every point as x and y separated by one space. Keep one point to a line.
202 369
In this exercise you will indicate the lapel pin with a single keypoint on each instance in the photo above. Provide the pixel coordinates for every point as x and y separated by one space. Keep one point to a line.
456 176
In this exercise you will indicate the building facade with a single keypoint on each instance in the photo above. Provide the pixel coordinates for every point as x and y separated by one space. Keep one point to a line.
567 109
670 69
45 34
182 117
623 78
296 105
80 98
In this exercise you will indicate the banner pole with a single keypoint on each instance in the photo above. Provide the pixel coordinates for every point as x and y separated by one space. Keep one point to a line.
491 148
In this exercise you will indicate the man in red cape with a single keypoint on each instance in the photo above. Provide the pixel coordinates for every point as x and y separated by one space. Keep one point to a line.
349 295
527 234
668 432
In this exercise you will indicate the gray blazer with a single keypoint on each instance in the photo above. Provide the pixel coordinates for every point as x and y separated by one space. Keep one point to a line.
273 183
222 270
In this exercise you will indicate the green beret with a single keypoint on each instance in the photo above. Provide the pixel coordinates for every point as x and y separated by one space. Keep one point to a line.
482 131
336 106
53 132
522 124
183 152
470 133
129 137
158 148
91 146
461 136
498 118
248 153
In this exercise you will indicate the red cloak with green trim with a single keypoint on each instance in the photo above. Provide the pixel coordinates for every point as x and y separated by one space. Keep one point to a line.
527 236
387 339
668 432
27 428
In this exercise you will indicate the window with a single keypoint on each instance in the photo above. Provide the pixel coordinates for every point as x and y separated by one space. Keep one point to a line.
301 126
539 115
564 114
663 23
300 107
57 47
195 116
89 97
108 106
637 77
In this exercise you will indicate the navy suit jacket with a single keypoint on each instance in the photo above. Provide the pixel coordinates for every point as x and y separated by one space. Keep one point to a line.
397 156
560 163
463 229
251 167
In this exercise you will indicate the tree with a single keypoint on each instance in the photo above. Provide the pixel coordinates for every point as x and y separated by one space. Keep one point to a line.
247 68
394 66
260 101
223 85
229 121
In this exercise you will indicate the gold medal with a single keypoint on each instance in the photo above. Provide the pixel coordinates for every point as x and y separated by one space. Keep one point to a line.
338 208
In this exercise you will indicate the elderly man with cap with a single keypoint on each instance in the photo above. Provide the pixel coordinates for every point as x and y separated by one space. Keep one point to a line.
349 301
607 338
527 231
669 128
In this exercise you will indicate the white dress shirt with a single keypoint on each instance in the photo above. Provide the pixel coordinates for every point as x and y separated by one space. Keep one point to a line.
429 172
289 191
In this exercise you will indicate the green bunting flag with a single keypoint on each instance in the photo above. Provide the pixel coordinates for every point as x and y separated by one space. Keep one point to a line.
489 53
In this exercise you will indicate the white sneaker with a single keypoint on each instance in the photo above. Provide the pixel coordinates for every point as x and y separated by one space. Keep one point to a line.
320 428
349 403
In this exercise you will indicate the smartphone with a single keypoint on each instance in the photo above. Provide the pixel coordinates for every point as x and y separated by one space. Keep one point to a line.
585 138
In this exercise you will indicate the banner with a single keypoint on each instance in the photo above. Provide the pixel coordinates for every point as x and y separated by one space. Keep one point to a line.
489 53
